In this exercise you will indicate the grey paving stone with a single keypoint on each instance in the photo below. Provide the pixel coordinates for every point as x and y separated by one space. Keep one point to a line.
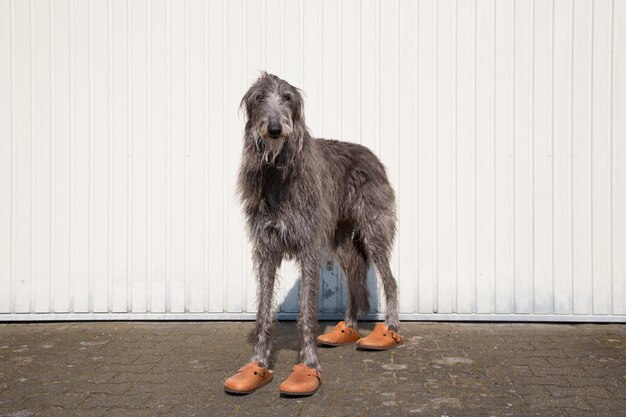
177 369
546 401
588 391
561 370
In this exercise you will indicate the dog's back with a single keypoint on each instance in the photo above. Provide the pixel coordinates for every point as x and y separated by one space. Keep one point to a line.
364 190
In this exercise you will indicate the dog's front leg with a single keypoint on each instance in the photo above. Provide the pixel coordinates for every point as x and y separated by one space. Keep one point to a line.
309 300
265 264
256 373
305 377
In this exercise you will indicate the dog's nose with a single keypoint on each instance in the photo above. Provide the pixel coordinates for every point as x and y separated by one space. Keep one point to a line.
274 129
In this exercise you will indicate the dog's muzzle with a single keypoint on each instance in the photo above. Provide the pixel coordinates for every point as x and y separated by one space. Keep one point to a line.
274 129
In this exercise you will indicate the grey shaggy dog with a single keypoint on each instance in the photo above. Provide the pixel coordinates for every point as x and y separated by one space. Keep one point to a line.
302 196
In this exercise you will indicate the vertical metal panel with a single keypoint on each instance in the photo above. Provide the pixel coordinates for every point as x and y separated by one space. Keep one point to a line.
157 157
81 161
176 123
504 85
542 148
41 78
523 124
217 155
119 79
139 70
407 152
562 134
6 155
501 124
101 155
22 140
60 177
485 141
618 146
445 155
581 157
197 138
465 161
426 143
236 81
601 159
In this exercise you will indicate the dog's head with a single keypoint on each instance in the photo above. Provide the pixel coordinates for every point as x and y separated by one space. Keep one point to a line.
274 115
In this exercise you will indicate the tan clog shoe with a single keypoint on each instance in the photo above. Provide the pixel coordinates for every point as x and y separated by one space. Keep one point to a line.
302 381
381 338
248 379
339 335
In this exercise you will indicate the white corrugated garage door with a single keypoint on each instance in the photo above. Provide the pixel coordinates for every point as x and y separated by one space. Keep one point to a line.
502 126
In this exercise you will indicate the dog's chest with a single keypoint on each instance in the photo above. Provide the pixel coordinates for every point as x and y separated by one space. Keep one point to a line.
280 222
275 191
282 215
282 232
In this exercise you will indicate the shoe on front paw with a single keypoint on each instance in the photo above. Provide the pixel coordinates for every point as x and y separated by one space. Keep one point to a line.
248 379
302 381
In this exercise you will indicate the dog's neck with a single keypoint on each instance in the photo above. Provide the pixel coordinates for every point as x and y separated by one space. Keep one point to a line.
264 186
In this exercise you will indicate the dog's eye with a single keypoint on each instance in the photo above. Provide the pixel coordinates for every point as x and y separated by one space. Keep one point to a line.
286 98
259 97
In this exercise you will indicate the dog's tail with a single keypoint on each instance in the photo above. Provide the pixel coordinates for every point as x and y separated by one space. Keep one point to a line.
354 266
361 295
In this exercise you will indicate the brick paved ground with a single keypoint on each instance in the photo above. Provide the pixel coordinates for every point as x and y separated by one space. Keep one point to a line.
177 369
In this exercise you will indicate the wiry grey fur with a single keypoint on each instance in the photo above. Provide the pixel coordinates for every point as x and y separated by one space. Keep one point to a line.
302 195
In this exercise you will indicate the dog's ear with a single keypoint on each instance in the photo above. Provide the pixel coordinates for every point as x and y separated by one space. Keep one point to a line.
298 105
246 101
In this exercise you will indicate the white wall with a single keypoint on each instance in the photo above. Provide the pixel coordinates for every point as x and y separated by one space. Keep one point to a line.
502 126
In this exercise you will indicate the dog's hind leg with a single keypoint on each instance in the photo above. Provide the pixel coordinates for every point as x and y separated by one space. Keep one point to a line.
391 291
354 264
266 264
353 261
377 238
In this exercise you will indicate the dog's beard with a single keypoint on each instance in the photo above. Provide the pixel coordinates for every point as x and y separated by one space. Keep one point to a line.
269 149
